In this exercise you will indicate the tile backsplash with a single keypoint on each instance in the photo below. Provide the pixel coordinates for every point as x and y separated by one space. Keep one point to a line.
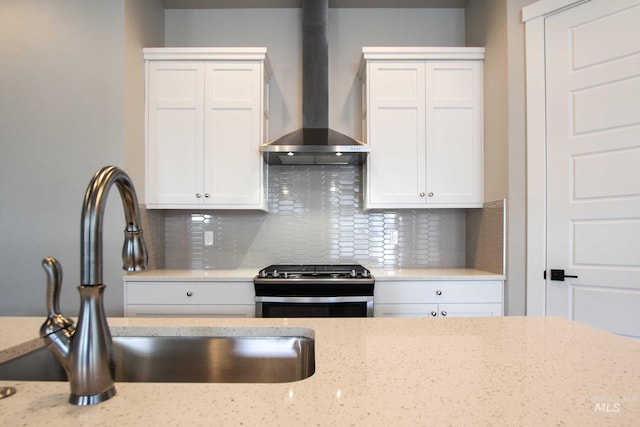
314 216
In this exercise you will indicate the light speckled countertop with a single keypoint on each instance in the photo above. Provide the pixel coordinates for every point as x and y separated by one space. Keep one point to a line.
247 274
375 372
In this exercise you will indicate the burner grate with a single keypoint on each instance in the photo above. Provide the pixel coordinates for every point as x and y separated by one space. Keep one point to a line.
290 271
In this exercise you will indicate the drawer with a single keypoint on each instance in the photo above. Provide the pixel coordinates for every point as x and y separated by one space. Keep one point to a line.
425 292
201 293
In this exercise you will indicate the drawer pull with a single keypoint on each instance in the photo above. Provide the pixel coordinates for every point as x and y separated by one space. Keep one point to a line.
189 293
438 292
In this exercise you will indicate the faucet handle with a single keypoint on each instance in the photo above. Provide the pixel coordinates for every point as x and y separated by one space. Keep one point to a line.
55 320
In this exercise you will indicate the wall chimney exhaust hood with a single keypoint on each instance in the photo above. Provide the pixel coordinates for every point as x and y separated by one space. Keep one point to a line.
315 143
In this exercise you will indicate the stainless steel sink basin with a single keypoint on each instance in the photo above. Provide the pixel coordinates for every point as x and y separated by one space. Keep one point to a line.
186 359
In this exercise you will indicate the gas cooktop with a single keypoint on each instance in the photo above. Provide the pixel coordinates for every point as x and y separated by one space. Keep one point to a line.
314 272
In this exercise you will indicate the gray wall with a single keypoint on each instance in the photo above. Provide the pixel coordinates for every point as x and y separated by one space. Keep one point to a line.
65 111
497 25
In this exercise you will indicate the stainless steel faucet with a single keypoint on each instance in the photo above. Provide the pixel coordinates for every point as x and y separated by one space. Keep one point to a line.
86 350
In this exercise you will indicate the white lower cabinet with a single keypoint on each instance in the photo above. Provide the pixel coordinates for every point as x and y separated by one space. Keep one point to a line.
430 298
189 299
438 298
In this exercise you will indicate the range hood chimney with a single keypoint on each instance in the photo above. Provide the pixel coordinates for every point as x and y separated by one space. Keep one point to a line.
315 143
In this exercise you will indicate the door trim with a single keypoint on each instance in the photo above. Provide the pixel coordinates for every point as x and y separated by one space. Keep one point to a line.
534 17
544 8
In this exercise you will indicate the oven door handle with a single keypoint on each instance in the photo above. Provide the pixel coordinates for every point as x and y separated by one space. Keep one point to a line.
307 300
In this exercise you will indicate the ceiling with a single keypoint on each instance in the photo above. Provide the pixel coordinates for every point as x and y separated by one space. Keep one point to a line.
260 4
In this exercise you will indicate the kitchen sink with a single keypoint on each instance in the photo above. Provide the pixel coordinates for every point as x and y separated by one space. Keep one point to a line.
226 359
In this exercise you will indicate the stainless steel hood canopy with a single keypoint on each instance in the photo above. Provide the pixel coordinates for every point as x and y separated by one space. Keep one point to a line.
315 143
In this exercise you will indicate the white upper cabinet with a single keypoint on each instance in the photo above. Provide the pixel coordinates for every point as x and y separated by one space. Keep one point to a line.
206 119
423 123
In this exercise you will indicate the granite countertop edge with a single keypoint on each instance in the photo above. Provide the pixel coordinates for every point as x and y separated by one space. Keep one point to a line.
247 275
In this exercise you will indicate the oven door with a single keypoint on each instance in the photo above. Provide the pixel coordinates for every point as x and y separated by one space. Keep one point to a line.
340 306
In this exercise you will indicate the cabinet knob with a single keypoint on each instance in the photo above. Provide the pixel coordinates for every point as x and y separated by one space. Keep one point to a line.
198 195
443 313
438 292
189 293
422 194
430 194
434 313
206 195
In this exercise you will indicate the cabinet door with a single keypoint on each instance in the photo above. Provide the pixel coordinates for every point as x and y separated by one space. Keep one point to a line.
174 149
454 133
233 133
396 134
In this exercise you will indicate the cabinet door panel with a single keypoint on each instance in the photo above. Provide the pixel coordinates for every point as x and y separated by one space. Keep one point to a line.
396 133
233 131
453 83
454 133
174 166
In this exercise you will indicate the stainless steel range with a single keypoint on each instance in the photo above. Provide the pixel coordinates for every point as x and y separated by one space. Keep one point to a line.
314 291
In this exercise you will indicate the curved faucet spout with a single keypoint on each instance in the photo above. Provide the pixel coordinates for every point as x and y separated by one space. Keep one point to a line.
134 253
86 350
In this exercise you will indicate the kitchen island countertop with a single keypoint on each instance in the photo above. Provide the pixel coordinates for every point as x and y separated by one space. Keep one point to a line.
370 372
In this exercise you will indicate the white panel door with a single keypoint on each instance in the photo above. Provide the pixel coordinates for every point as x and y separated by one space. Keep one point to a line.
174 151
593 164
454 132
396 165
233 130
